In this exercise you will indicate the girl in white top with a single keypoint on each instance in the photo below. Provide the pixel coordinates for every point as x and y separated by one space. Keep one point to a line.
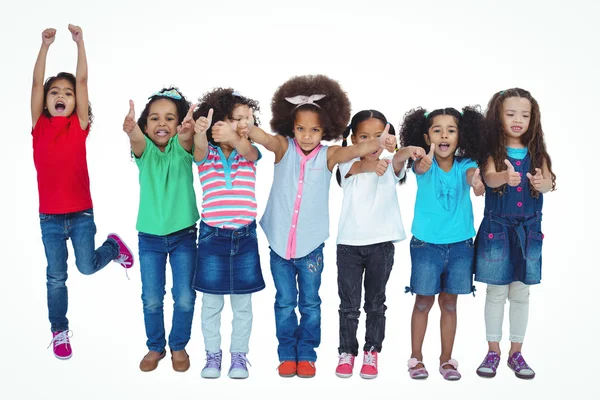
370 224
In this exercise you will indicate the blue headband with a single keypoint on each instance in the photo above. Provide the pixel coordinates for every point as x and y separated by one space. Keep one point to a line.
173 94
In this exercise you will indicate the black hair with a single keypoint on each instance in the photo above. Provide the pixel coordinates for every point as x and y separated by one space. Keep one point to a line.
72 80
359 117
182 106
333 109
223 102
470 123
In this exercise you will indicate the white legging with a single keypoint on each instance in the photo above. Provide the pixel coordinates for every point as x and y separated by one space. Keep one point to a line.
518 295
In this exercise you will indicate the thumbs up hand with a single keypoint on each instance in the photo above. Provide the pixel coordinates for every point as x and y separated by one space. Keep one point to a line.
477 183
536 180
129 123
513 178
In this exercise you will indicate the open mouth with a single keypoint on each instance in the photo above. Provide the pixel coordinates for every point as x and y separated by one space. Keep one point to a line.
60 107
516 129
162 133
444 146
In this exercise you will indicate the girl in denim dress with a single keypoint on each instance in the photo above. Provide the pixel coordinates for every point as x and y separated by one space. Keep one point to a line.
517 170
228 261
441 248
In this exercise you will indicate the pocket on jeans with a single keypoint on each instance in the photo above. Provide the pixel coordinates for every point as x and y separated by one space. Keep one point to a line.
417 243
495 244
534 245
88 213
45 217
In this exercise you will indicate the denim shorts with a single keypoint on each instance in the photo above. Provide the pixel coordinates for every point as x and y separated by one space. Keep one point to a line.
439 268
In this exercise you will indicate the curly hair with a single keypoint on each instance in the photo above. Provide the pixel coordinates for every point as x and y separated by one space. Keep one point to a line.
72 80
182 106
359 117
223 102
333 109
470 124
494 144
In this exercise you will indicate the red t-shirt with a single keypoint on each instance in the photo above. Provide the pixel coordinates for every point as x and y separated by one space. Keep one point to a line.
60 160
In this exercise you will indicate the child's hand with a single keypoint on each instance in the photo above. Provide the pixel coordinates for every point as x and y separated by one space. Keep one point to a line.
129 123
76 33
187 125
203 123
536 180
387 141
513 178
477 183
427 161
48 36
246 124
222 132
416 152
381 167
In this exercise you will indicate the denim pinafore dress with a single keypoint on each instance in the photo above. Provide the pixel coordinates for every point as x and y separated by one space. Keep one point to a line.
508 246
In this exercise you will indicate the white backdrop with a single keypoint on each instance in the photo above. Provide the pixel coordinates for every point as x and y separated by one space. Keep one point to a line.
389 56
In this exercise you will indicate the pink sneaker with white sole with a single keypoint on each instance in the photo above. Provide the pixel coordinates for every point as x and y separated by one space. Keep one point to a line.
369 368
125 257
345 365
62 346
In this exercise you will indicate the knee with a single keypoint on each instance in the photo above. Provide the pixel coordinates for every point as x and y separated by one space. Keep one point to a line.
350 312
152 302
85 266
448 304
377 308
286 299
424 303
497 293
518 293
185 302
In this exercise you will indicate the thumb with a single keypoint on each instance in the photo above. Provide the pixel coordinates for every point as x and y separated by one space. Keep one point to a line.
476 175
538 171
209 116
190 112
431 150
509 166
131 113
386 130
529 176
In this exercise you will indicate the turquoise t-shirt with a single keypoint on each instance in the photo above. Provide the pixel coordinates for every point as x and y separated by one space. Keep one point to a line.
167 196
443 210
517 154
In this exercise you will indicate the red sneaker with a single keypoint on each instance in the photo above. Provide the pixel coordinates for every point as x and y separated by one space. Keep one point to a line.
306 369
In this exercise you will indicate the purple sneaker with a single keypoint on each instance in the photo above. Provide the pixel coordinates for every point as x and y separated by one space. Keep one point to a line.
488 367
212 369
517 363
62 346
238 369
125 257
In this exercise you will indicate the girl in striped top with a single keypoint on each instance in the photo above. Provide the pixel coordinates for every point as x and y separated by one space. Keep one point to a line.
228 261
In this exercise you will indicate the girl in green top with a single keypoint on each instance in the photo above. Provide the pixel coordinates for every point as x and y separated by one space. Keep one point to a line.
161 142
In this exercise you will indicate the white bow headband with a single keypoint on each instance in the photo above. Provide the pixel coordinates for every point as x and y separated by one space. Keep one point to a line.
301 100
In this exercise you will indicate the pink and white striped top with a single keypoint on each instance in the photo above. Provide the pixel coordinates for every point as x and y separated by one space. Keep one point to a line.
228 189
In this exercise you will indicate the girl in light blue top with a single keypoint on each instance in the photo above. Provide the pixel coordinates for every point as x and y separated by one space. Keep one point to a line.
441 248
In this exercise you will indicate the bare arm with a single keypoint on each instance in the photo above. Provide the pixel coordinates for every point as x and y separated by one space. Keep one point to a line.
81 78
245 149
277 144
414 152
185 131
137 139
495 179
473 177
200 139
362 166
37 87
542 180
339 154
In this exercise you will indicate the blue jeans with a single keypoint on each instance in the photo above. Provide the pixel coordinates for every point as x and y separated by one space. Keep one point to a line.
180 246
297 342
56 229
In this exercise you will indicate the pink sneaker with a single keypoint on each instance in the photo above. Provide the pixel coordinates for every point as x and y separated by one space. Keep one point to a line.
62 346
125 257
345 365
369 368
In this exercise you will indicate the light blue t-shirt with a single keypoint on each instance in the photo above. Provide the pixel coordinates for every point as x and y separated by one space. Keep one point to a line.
443 210
517 154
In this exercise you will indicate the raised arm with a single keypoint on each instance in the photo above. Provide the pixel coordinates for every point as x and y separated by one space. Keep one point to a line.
185 131
363 166
423 164
132 129
200 139
37 87
81 78
414 152
278 144
338 154
473 176
495 179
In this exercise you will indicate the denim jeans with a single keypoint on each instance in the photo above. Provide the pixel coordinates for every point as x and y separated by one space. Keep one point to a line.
241 306
180 246
376 261
81 229
297 342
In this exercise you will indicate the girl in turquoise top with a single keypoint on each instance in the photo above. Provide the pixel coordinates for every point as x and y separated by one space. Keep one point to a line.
161 142
441 248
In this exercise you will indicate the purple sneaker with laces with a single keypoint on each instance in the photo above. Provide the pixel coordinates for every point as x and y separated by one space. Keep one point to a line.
488 367
517 363
238 369
212 369
61 345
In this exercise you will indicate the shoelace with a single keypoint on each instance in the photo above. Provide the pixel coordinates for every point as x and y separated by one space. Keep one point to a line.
61 338
369 357
345 358
239 360
122 259
213 360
